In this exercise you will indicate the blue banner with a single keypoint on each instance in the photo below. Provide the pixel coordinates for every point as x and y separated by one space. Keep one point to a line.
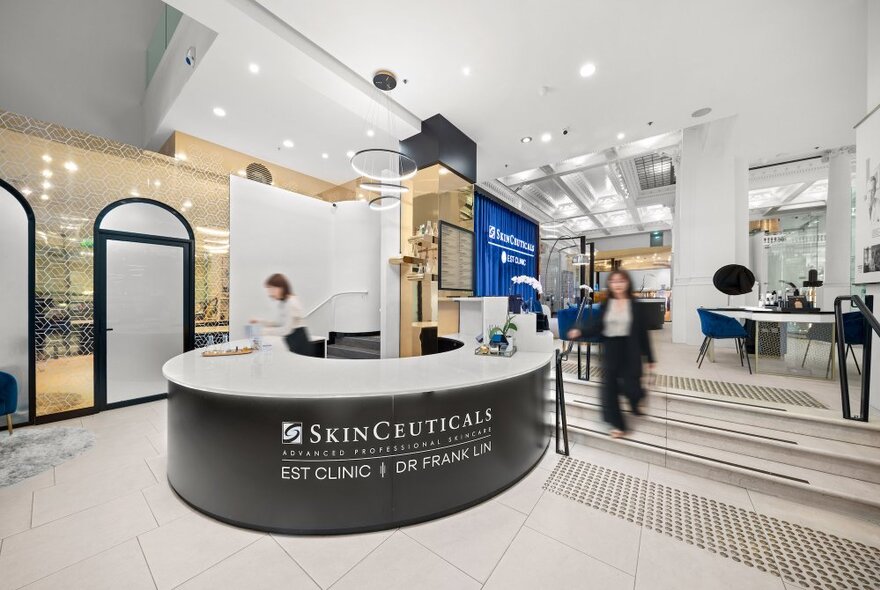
506 246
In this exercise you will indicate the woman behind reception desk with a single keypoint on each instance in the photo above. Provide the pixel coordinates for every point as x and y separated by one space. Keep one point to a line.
289 321
289 316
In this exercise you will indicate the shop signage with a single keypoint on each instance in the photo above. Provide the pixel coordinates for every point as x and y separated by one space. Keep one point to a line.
506 246
335 452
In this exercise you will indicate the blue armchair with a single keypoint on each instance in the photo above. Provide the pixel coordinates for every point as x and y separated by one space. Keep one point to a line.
853 333
566 319
8 398
716 326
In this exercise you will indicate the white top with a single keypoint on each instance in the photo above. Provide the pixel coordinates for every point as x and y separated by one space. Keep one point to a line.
771 316
288 317
618 318
280 373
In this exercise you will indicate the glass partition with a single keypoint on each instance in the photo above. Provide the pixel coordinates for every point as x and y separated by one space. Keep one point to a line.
797 248
68 177
559 277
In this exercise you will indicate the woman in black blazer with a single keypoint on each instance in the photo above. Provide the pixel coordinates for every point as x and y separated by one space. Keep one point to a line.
622 324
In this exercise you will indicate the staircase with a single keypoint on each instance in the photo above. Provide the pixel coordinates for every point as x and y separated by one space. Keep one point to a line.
805 455
353 347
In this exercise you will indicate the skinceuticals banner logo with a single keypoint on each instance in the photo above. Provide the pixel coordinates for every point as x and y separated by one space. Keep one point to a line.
291 433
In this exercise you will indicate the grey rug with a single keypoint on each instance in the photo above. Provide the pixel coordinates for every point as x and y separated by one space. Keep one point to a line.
30 451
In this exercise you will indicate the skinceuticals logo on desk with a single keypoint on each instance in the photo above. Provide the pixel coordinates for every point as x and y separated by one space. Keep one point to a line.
291 433
351 452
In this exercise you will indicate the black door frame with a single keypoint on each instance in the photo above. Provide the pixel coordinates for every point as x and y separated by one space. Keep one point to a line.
32 364
100 297
100 335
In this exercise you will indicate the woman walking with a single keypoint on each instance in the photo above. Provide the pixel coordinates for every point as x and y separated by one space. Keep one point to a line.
622 324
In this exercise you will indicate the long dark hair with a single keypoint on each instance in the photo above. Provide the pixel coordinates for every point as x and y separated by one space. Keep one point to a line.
280 281
629 284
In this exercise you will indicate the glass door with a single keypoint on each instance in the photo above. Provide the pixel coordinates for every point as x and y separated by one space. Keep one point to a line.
145 319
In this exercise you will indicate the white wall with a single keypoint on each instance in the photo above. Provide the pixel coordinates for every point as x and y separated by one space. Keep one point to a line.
79 64
170 77
868 154
14 296
710 227
390 283
355 265
322 249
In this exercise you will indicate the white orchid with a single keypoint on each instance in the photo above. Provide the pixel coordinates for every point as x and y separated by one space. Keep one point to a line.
527 280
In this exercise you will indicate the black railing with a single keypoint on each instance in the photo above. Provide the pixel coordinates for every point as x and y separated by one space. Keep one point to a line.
866 309
561 419
583 375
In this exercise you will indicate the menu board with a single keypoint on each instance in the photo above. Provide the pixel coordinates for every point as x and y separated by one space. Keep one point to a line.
456 256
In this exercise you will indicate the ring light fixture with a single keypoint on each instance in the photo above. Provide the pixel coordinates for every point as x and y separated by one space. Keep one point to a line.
381 187
384 202
384 165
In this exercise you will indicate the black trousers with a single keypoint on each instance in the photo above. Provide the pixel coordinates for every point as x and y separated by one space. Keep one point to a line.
623 374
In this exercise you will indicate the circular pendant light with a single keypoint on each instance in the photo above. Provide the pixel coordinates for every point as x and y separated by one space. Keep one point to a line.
382 187
386 166
384 202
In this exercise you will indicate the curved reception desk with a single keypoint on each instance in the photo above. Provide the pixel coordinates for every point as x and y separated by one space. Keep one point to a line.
286 443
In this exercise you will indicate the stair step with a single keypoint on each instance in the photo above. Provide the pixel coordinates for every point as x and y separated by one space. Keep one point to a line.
776 417
835 492
341 351
365 342
830 456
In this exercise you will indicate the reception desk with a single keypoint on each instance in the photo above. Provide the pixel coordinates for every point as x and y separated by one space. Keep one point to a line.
285 443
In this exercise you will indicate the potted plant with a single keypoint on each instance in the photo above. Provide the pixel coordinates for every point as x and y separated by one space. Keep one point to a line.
501 336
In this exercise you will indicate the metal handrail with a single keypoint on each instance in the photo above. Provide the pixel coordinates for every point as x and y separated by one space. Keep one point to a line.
561 418
587 300
865 308
331 297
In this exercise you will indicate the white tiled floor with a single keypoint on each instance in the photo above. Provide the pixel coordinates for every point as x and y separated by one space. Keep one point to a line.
108 519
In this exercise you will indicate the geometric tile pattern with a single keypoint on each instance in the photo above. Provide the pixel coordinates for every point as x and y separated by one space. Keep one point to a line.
66 200
797 554
777 395
57 401
744 391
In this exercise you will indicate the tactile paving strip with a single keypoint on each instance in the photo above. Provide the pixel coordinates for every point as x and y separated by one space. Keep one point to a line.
776 395
795 553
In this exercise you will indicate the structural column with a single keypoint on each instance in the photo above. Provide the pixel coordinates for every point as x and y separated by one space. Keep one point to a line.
711 221
838 228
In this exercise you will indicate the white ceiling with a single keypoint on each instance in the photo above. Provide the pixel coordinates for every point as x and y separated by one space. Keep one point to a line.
78 64
298 94
794 70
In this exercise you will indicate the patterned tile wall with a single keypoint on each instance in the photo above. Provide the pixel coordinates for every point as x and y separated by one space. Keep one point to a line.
69 177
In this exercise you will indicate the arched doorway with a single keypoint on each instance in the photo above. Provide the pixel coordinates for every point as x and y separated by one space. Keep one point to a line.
144 298
17 297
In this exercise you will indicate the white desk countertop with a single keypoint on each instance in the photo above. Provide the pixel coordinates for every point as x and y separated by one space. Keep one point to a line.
280 373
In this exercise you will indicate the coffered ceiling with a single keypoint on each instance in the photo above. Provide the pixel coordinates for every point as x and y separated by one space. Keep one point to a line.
625 189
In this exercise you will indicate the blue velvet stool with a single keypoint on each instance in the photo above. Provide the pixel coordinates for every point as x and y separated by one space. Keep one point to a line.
8 397
716 326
